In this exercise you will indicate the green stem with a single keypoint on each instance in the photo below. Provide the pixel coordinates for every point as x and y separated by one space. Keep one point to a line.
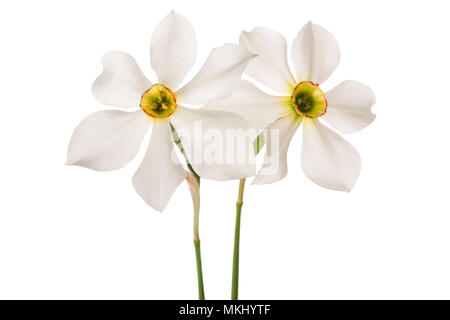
237 233
194 187
198 256
177 140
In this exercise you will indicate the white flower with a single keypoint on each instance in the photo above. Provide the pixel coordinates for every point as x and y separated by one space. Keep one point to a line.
108 140
327 159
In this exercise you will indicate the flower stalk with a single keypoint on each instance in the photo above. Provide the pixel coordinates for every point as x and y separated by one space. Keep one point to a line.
198 258
193 181
237 232
194 188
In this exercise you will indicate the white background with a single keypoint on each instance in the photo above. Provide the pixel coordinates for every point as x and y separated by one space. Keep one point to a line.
68 232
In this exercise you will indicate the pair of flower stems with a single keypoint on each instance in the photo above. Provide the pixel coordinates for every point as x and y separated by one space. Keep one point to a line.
237 233
193 180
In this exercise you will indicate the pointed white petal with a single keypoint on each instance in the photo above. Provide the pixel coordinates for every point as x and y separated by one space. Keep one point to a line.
328 159
349 107
219 76
259 109
278 136
270 67
160 172
216 143
173 49
107 140
315 53
122 82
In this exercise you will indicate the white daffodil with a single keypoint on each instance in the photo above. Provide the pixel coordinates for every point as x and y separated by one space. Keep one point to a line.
108 140
327 159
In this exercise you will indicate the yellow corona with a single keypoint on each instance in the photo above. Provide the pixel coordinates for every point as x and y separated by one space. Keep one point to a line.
159 102
309 100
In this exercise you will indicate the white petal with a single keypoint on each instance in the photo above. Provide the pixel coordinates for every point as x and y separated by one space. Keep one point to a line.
122 82
107 140
315 53
349 107
219 76
259 109
328 159
278 136
160 172
173 49
270 67
215 143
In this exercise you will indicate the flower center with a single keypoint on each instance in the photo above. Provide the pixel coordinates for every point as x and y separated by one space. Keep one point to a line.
158 101
309 100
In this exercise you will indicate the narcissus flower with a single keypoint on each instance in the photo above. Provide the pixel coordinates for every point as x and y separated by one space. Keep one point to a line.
327 159
108 140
